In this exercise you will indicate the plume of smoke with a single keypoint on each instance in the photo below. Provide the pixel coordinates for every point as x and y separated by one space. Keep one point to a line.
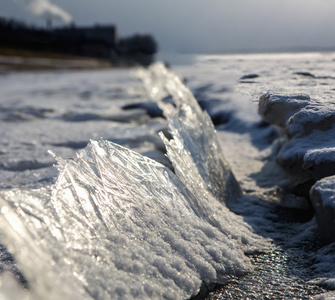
47 9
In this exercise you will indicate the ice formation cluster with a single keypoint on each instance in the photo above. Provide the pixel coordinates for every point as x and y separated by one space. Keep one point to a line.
119 225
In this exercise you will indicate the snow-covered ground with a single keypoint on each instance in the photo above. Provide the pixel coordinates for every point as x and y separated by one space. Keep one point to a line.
115 223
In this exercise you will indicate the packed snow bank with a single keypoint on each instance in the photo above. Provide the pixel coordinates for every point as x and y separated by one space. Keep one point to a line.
277 109
326 296
324 269
306 127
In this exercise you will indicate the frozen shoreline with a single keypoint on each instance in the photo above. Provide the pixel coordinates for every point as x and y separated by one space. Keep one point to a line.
95 111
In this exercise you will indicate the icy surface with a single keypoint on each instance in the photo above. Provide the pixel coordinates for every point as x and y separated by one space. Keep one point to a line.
62 111
279 74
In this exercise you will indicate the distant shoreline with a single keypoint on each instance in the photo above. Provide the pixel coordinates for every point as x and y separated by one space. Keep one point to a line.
177 59
94 46
22 60
263 50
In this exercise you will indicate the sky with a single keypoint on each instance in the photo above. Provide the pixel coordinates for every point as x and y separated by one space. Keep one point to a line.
196 26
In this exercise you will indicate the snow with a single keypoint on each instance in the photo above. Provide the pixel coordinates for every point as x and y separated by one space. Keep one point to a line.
323 199
277 109
134 229
326 188
306 127
312 117
63 111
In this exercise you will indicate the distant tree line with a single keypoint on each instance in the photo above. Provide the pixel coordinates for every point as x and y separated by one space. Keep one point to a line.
100 41
139 43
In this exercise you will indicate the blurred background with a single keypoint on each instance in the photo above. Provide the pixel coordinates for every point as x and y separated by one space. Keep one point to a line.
143 28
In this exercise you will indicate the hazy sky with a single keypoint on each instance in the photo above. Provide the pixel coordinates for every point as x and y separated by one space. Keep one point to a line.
199 25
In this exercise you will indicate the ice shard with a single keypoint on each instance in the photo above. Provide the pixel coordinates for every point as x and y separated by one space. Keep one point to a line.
194 150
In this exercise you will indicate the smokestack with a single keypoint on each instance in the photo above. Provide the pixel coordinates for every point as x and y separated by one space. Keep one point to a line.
47 9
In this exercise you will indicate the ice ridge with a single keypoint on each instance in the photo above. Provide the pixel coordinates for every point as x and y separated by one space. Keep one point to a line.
194 150
118 225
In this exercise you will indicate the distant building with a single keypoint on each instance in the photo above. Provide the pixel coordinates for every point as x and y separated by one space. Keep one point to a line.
105 34
99 41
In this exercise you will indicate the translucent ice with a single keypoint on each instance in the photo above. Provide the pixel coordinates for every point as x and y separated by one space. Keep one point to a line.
194 150
122 226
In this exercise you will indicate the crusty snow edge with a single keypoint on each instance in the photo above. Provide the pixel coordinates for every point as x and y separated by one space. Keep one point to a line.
308 147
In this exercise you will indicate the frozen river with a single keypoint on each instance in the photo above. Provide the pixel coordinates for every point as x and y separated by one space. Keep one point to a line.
111 223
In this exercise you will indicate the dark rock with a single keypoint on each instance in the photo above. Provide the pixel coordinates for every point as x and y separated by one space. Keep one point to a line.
249 76
307 74
151 108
